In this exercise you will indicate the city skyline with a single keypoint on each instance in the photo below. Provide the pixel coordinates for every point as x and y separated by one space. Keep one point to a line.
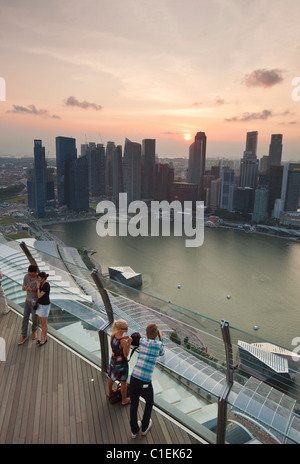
102 72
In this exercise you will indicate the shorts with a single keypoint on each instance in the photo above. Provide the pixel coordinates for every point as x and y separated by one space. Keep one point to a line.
43 310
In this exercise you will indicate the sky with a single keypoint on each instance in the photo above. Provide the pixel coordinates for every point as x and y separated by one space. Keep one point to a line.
103 70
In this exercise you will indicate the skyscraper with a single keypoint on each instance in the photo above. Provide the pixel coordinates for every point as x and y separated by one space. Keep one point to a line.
40 178
251 142
249 162
77 184
275 150
117 171
197 157
148 168
96 166
227 189
132 170
65 152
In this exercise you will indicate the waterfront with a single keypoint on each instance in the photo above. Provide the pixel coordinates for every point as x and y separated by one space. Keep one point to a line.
260 273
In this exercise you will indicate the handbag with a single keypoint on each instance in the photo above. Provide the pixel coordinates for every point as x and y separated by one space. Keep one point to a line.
115 395
35 304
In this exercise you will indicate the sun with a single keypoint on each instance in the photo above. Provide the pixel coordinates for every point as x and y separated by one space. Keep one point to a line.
187 137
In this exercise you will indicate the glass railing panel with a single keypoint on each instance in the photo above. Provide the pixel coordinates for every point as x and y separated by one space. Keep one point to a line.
195 356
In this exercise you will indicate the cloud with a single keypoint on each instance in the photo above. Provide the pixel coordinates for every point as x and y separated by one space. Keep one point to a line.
265 114
31 109
263 78
72 101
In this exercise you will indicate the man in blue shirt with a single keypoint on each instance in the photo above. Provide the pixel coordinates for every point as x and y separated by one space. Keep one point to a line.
140 382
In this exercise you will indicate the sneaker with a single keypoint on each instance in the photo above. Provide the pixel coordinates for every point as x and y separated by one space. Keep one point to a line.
22 340
133 435
148 428
34 335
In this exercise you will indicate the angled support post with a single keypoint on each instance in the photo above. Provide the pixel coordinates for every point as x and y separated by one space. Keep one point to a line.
104 296
110 316
28 254
222 400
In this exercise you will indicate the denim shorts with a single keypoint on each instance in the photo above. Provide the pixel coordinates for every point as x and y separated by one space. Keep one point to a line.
43 310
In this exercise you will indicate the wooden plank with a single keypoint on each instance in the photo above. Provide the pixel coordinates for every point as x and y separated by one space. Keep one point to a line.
51 395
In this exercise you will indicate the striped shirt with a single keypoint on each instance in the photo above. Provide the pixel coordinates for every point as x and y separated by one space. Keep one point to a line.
149 350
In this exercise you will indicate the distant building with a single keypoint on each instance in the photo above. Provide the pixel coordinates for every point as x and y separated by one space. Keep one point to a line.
117 171
227 189
197 159
249 163
77 186
65 152
148 168
40 173
96 169
164 177
275 150
132 170
244 200
184 191
260 209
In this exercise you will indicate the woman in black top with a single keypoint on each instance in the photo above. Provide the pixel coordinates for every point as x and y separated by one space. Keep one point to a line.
43 291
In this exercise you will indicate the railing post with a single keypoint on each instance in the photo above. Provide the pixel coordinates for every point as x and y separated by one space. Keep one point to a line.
110 316
104 347
28 254
104 295
222 400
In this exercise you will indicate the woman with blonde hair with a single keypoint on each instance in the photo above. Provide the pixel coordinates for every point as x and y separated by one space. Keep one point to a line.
118 368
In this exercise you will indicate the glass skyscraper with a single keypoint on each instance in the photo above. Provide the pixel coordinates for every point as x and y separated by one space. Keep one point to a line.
65 152
40 178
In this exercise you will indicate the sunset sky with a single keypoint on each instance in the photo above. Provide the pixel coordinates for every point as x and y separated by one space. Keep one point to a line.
104 70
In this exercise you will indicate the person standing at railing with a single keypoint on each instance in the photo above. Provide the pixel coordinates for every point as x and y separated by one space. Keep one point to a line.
118 368
29 286
43 309
141 379
4 309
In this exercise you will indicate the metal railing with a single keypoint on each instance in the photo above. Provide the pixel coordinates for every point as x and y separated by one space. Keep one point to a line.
208 371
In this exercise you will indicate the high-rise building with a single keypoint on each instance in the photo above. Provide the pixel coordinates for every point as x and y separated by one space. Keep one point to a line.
110 148
65 152
251 143
249 162
77 184
96 167
117 172
275 150
275 184
164 177
197 157
40 172
132 170
260 209
227 189
290 191
148 168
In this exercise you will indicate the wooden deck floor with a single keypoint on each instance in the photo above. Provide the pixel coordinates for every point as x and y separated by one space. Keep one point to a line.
50 395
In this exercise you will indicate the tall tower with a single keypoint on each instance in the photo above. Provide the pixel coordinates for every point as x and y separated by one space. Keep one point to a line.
132 170
197 157
148 167
40 178
251 142
249 162
117 171
77 184
275 150
65 152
